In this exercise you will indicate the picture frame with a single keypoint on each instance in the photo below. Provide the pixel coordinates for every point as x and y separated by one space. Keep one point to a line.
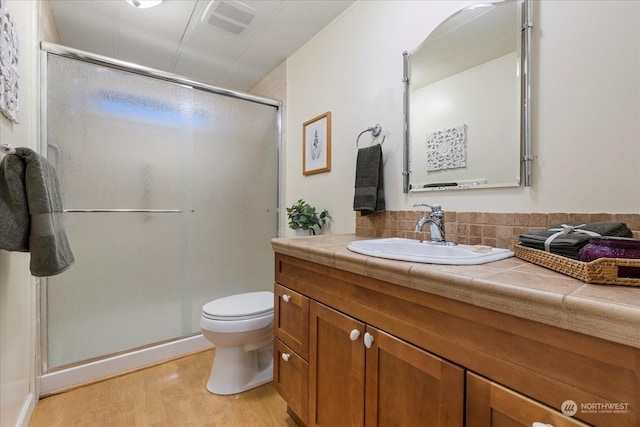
316 144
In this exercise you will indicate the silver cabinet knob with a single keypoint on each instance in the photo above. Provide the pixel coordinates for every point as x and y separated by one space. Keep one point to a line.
368 340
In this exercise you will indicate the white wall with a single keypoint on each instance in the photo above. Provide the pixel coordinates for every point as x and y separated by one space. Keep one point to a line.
17 301
18 295
586 107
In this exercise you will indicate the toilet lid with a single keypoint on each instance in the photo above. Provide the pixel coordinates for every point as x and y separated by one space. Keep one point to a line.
240 306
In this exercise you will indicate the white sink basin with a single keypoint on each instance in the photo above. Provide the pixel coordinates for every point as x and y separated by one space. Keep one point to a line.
416 251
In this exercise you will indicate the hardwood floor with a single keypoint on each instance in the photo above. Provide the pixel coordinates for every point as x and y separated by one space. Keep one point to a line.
170 394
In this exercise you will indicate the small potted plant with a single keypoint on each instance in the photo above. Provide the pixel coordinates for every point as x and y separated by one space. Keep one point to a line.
303 216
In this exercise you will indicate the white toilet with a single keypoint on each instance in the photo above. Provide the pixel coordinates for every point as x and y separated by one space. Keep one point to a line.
241 328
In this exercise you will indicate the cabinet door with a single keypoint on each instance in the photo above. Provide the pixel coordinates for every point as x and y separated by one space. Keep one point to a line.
406 386
336 369
490 404
291 320
291 379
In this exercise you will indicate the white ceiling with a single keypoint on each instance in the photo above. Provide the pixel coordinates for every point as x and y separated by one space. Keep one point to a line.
174 37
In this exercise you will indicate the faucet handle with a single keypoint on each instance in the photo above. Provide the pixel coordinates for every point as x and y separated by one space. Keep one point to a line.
434 207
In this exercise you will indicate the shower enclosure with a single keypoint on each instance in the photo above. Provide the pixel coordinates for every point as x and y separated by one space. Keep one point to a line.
170 193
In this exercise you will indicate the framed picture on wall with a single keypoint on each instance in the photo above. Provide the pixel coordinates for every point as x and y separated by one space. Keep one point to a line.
316 146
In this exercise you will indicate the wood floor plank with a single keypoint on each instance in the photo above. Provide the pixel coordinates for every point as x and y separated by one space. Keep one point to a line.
166 395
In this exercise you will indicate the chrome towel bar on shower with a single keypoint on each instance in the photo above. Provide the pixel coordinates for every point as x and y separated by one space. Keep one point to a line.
124 210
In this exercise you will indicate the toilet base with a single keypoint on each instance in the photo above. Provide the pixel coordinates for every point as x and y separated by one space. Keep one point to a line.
236 370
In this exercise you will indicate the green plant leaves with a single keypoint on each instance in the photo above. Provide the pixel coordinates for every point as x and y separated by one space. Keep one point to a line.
303 216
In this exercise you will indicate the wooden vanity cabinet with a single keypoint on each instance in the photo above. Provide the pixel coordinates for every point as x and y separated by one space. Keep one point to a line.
291 380
336 369
291 350
432 361
407 386
362 376
491 405
291 319
404 384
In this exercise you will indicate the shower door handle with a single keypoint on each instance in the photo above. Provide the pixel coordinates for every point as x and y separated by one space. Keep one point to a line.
123 210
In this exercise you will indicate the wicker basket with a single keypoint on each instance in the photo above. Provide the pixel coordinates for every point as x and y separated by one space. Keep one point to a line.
601 271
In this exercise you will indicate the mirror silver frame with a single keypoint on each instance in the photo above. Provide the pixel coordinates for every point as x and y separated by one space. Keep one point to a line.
526 157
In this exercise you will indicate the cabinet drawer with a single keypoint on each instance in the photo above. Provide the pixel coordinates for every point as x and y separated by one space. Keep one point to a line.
291 320
291 379
490 404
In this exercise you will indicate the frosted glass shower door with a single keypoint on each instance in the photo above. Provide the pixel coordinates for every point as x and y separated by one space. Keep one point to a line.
171 200
122 145
234 198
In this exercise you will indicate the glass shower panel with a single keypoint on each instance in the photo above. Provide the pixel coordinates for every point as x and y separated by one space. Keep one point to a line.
120 141
124 289
123 136
234 198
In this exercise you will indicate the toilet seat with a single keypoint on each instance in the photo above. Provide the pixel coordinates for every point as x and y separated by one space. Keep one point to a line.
251 305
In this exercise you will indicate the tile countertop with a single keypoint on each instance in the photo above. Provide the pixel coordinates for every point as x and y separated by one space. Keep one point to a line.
512 286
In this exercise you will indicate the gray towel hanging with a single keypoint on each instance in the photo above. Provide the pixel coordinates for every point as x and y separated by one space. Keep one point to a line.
31 212
369 185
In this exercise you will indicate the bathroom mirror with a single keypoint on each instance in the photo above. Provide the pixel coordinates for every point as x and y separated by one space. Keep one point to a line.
466 105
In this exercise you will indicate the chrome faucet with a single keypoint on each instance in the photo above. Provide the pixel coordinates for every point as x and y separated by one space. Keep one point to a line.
435 219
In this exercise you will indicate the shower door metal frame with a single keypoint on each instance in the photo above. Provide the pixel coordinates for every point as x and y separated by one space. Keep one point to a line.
47 48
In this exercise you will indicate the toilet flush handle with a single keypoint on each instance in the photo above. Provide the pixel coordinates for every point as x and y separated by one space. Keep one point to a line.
286 298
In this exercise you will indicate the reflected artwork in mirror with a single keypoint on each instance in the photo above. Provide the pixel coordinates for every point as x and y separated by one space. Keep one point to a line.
466 101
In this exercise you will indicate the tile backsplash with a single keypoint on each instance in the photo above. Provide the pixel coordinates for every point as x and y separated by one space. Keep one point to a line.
499 230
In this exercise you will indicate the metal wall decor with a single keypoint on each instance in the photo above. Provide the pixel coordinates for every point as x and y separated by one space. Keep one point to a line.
446 148
8 65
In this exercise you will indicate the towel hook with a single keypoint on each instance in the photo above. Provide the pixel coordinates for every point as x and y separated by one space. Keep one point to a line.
375 130
7 149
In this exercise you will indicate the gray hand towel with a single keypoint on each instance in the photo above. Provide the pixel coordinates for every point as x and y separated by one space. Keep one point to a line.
369 186
47 241
14 211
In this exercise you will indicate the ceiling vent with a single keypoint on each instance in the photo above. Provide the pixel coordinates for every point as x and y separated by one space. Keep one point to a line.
230 16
